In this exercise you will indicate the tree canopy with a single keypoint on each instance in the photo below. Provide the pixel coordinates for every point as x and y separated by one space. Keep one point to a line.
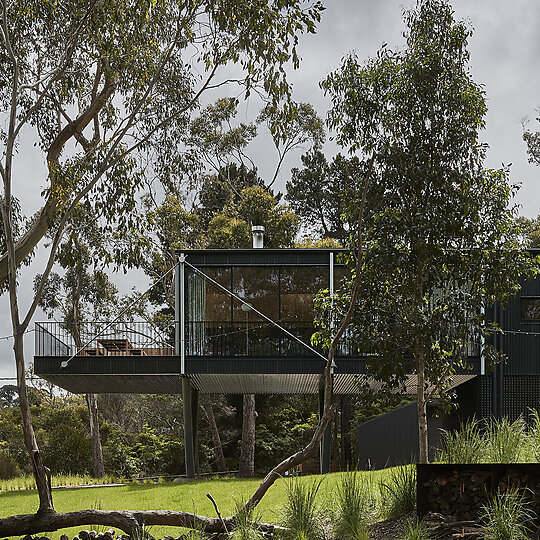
107 89
320 193
441 237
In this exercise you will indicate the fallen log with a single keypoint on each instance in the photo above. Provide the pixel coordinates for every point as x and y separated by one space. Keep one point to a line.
130 522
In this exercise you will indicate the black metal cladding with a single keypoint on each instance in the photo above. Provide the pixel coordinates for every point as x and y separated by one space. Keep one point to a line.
520 340
262 257
520 396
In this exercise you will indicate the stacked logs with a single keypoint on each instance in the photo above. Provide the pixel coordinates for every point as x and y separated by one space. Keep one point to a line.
462 491
459 494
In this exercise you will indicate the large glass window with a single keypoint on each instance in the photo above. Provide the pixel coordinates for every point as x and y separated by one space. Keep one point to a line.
259 286
530 309
206 301
299 286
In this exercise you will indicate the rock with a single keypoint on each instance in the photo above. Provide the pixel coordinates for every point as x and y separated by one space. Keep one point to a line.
84 535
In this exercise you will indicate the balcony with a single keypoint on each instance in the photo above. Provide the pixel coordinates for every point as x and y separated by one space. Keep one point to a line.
203 339
102 339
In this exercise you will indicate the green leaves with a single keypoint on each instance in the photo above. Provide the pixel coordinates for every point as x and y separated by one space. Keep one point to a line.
441 241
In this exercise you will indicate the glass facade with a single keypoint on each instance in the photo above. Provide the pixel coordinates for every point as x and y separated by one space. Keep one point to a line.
220 325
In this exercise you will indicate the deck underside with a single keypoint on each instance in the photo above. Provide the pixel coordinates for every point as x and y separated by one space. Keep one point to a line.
161 375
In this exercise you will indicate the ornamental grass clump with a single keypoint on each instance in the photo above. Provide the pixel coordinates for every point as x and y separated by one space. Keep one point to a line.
507 441
506 517
302 518
355 507
245 527
415 530
398 491
466 445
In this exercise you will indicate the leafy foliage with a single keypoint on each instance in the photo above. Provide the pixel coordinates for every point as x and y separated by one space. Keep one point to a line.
321 192
441 239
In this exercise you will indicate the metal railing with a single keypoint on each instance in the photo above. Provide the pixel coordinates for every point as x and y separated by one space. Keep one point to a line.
103 339
253 339
204 338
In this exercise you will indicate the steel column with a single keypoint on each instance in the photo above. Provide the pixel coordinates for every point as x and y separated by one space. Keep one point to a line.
189 431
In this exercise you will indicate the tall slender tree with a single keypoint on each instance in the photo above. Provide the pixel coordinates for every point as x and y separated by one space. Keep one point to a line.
101 83
441 238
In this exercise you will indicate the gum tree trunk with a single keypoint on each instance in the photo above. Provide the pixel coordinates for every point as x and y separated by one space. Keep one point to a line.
98 469
246 468
216 438
41 473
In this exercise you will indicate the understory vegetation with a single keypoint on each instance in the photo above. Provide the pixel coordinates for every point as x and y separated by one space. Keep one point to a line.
493 441
143 435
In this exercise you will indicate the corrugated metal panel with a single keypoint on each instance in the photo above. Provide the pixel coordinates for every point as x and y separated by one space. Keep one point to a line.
118 384
256 384
348 383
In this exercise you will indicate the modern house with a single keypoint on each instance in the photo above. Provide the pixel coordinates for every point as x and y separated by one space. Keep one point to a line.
243 324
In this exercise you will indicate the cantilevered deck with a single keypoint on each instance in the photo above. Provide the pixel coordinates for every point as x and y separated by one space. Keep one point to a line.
247 316
137 357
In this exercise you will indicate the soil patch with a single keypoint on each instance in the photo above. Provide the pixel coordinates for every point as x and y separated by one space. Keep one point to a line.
392 528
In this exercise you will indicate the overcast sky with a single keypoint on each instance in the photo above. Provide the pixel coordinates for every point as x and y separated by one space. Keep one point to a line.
505 49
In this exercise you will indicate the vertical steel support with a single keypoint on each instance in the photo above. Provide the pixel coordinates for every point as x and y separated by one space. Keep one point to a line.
189 450
189 395
195 427
180 312
324 445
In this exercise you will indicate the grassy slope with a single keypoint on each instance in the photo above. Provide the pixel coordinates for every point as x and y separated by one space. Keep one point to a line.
189 497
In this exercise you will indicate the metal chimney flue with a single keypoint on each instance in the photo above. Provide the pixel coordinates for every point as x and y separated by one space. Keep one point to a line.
257 233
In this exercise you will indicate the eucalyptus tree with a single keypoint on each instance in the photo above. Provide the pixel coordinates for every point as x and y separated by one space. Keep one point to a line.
82 291
102 87
302 126
320 193
532 140
441 237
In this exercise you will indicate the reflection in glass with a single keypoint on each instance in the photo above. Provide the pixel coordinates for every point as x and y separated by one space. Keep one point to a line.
259 287
299 286
208 310
220 325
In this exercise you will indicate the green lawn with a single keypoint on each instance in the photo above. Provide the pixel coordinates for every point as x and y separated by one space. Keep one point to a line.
190 496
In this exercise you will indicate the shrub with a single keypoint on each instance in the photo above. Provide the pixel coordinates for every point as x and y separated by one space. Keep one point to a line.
301 517
505 517
399 491
354 506
8 466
